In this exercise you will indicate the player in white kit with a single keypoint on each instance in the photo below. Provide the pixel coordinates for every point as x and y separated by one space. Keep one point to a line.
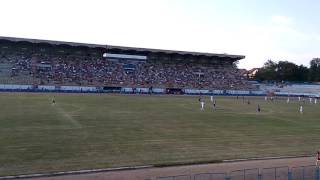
202 105
301 109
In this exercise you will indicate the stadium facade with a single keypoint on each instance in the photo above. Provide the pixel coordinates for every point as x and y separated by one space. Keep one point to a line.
56 64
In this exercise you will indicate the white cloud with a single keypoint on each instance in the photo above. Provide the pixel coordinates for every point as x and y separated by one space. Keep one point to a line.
281 19
317 37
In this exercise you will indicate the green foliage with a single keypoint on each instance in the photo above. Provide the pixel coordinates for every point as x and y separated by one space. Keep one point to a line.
268 71
288 71
314 72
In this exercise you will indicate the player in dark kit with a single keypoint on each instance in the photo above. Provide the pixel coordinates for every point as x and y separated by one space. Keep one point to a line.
259 109
53 101
214 105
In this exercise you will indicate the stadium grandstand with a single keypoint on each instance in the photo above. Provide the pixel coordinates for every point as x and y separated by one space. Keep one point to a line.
55 63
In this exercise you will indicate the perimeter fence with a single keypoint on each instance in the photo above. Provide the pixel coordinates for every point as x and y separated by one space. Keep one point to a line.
275 173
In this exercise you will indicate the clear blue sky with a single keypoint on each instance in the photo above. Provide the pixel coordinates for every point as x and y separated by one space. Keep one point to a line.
260 30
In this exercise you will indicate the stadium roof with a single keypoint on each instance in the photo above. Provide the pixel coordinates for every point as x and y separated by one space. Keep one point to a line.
146 50
51 42
122 48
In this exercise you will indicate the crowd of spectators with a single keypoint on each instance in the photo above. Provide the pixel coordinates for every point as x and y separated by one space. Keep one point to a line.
99 71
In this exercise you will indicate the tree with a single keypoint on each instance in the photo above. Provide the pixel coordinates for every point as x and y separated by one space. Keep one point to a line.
287 71
283 71
302 73
314 72
268 71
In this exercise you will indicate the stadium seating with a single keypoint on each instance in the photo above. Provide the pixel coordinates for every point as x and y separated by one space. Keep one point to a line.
40 68
292 89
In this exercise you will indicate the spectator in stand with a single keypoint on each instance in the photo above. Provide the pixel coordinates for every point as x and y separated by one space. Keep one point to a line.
67 69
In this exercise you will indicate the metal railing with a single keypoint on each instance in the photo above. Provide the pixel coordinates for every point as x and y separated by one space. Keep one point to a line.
274 173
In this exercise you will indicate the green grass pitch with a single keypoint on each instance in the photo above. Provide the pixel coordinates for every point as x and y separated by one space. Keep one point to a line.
84 131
